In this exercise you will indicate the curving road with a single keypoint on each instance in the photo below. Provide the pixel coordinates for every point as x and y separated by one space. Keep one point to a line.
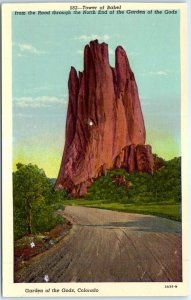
108 246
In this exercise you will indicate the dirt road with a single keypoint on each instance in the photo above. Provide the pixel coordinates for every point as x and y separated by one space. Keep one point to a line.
108 246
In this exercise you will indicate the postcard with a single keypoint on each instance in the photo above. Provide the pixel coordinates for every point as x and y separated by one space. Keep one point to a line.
95 113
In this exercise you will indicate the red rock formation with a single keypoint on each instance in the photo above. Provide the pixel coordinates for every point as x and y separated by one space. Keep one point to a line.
104 125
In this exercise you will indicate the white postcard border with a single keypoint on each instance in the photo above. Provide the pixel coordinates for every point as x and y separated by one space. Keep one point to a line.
11 289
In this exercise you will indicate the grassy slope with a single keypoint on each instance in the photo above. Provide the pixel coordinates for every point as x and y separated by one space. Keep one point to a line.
170 211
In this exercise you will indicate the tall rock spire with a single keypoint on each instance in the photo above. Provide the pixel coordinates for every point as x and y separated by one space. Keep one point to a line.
104 125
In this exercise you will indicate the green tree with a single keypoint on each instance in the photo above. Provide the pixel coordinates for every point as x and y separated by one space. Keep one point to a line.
34 200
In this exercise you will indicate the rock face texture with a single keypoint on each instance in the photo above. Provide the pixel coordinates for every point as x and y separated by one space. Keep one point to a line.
104 125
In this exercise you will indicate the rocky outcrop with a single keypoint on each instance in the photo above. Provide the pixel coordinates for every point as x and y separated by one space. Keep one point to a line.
135 158
104 125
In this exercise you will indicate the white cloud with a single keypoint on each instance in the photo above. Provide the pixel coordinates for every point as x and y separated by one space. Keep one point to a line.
37 89
38 102
27 49
156 73
163 73
30 49
87 38
21 115
80 52
21 55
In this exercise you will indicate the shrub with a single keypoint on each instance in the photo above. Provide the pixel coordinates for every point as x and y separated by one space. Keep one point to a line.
163 185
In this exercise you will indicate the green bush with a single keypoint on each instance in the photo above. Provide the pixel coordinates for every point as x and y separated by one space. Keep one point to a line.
20 223
164 185
45 217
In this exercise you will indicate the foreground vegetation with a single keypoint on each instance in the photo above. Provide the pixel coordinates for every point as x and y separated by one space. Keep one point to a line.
157 194
34 201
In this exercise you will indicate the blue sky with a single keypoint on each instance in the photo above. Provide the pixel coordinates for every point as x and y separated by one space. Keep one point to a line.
44 49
